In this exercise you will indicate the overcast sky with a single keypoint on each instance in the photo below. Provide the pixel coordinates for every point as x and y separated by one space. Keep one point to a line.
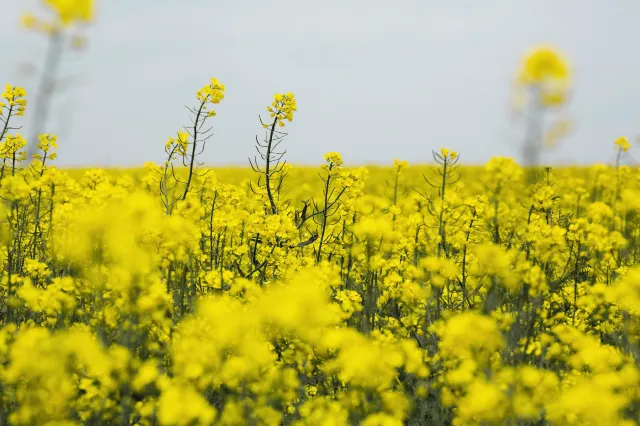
374 80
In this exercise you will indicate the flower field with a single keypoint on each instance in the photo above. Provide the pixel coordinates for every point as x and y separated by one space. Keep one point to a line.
433 294
442 294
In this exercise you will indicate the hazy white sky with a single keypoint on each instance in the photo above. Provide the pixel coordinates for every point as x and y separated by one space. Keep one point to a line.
373 79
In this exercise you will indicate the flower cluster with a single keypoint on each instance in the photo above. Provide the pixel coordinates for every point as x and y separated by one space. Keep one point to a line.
622 143
66 13
15 100
178 144
212 93
546 70
282 108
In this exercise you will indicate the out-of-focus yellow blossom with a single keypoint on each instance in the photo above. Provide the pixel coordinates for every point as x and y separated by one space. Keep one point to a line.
400 164
622 144
469 335
333 159
66 14
70 11
547 70
448 154
544 63
559 130
183 405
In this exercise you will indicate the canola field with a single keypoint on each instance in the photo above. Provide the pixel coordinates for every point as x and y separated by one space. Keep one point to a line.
274 295
441 294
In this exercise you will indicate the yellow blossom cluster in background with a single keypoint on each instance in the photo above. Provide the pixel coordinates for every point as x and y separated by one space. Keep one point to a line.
546 71
65 13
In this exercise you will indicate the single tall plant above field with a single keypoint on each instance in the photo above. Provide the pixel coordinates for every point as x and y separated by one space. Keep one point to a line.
543 84
271 167
188 144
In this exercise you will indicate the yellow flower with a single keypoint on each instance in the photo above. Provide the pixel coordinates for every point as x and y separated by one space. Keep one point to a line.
212 93
47 141
282 108
12 146
14 95
179 144
548 71
147 373
333 158
400 164
543 64
29 21
622 144
71 11
183 405
484 403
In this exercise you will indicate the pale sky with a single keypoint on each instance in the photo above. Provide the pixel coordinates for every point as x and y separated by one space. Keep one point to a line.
374 80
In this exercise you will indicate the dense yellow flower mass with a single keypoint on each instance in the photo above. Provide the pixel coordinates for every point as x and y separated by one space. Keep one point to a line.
439 294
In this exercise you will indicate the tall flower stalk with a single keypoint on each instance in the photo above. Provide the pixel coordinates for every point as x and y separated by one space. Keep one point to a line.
543 83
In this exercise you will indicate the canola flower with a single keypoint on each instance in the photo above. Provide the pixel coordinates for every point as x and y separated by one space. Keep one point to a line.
66 13
547 71
62 28
622 143
13 101
543 63
282 108
447 295
543 83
